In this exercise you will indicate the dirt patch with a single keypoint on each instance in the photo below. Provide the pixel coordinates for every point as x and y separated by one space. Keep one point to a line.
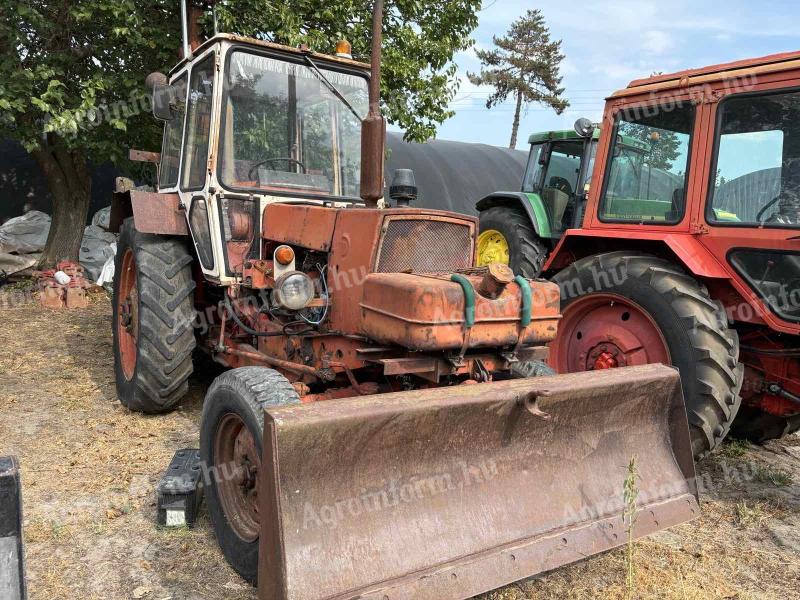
90 468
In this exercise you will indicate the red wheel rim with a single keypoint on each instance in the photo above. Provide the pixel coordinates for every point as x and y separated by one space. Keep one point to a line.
128 314
603 331
237 463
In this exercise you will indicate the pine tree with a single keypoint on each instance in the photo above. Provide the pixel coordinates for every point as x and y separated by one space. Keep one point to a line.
525 65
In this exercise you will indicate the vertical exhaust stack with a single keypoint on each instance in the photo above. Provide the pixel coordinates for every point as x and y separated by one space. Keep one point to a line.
187 47
190 27
373 128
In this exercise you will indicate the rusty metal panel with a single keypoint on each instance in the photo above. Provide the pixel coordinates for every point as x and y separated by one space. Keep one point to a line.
158 213
352 254
300 224
450 492
426 312
144 156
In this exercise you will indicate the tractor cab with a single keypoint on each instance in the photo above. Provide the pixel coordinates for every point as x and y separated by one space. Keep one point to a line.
248 123
553 196
559 168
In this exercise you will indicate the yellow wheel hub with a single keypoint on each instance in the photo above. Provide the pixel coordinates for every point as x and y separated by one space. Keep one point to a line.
492 248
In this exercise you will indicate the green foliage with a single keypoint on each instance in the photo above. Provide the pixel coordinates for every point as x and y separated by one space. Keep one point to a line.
525 65
74 70
630 496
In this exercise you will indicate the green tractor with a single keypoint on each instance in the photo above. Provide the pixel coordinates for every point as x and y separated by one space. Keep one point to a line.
520 229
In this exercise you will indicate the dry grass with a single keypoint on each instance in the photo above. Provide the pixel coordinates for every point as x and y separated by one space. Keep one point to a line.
89 470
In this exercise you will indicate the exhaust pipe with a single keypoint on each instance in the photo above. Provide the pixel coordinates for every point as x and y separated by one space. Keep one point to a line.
187 47
373 128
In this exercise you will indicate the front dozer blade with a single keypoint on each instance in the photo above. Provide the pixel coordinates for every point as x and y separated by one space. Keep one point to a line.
450 492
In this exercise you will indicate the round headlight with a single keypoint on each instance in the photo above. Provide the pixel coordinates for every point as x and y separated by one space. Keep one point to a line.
294 290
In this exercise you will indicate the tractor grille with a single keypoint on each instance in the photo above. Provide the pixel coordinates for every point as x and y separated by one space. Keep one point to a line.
425 246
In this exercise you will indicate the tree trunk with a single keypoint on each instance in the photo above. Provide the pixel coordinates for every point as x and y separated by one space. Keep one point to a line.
70 184
515 127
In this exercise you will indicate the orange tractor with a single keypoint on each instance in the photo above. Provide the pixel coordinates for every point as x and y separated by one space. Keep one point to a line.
385 428
686 250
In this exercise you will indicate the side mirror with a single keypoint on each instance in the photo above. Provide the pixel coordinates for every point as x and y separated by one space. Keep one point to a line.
163 96
584 127
163 101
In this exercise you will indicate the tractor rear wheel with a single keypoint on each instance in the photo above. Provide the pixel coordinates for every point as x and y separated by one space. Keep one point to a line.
231 434
153 320
507 236
625 308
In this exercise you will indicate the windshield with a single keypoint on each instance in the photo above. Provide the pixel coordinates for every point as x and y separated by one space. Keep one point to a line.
647 176
285 131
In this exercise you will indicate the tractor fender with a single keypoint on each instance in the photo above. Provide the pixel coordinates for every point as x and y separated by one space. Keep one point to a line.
684 248
152 212
522 200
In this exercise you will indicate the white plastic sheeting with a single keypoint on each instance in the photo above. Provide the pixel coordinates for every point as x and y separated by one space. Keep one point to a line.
25 234
23 238
96 250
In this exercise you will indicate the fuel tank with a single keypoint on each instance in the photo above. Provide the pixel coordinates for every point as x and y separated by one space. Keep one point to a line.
428 312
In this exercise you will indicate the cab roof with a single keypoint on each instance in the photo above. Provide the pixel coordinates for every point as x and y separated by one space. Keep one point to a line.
248 41
730 70
571 134
564 134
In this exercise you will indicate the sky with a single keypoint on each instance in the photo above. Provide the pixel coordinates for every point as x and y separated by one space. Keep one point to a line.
607 43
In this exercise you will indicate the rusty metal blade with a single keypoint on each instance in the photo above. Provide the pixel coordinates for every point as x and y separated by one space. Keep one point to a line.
450 492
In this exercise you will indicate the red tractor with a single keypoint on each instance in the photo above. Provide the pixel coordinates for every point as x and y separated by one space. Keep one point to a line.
384 428
688 249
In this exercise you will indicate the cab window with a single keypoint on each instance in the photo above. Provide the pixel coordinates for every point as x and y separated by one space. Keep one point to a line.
560 182
533 172
756 178
173 132
646 180
198 125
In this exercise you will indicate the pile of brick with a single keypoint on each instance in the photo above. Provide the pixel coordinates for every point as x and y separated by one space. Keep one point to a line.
55 291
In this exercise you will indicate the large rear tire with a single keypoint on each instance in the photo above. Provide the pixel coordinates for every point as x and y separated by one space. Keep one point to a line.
153 320
507 236
626 308
231 445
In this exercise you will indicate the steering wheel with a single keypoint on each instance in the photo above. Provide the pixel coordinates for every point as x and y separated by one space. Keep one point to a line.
561 184
764 209
288 160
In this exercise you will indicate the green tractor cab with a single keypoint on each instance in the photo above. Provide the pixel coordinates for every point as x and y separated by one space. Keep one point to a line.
521 228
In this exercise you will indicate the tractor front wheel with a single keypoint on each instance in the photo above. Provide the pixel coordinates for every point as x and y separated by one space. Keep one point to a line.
507 236
231 434
153 320
624 309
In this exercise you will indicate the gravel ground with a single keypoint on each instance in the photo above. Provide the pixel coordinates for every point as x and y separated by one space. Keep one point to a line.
90 467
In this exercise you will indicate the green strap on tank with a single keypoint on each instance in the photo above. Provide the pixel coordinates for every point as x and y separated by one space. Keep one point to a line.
469 298
527 301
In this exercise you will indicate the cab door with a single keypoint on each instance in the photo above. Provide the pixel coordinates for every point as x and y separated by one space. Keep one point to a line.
751 214
195 167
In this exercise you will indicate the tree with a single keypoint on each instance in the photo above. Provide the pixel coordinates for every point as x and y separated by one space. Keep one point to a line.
72 74
71 93
656 134
525 65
